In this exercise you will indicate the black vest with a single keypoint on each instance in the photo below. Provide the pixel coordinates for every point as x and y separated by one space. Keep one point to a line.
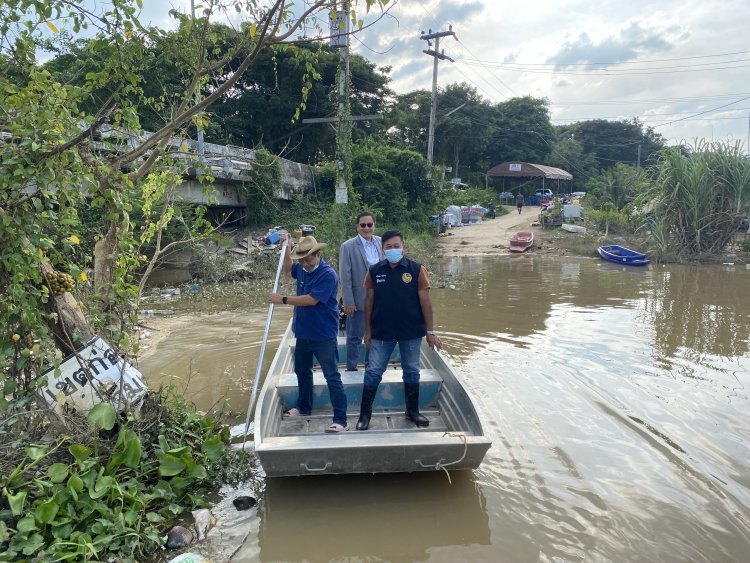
396 311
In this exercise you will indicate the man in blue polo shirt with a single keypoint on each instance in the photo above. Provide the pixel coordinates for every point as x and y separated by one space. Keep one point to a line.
398 310
315 325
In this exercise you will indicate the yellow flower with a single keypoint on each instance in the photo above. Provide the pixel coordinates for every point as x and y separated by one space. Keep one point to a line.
83 276
74 239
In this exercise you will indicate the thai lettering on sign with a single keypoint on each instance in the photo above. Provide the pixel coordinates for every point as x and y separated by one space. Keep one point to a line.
96 364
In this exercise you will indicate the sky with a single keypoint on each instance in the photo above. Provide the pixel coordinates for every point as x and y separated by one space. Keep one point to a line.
682 67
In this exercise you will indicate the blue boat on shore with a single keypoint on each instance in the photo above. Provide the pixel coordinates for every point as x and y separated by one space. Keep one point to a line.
621 255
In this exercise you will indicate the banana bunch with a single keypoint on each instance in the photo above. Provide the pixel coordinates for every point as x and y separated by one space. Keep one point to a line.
60 282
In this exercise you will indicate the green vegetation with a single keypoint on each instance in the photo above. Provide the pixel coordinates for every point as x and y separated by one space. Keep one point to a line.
700 195
84 208
689 204
81 204
112 490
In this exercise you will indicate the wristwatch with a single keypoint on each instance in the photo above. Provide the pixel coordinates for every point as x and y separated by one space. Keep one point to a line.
431 333
283 299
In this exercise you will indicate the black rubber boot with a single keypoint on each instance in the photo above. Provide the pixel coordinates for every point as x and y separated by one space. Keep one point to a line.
411 393
365 409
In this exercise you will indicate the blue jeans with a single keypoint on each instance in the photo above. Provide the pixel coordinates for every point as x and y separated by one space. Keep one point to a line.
327 353
355 330
380 353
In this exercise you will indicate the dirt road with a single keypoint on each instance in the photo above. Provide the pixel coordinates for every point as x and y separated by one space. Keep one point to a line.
491 236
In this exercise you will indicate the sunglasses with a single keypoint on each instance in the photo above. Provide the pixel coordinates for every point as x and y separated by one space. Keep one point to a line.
363 225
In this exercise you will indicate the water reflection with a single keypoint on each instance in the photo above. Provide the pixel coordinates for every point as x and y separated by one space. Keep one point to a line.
372 518
616 399
701 311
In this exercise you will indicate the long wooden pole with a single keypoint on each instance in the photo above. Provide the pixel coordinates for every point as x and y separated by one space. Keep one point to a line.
254 392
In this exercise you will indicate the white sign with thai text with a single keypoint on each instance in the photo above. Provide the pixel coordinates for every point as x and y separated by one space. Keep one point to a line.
93 375
514 167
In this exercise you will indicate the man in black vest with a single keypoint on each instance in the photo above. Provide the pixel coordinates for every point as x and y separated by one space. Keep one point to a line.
397 311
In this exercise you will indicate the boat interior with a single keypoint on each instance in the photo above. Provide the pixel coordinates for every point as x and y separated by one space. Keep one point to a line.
435 401
299 445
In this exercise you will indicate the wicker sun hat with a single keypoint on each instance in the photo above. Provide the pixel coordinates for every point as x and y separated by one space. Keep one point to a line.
305 247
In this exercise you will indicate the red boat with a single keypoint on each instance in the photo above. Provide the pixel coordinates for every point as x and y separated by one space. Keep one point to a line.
521 241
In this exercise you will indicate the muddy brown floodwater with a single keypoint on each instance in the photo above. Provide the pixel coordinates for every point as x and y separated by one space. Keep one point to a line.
616 399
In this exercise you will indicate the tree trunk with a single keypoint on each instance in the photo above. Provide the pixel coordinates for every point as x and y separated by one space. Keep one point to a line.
104 252
71 329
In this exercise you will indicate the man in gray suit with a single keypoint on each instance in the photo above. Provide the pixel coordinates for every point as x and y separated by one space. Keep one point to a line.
355 258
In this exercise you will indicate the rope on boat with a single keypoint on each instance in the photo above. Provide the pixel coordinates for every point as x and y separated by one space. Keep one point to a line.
443 466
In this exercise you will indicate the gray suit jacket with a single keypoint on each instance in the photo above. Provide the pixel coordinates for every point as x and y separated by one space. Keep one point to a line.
352 269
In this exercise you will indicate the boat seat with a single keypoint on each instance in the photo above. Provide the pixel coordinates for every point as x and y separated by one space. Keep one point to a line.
341 341
390 391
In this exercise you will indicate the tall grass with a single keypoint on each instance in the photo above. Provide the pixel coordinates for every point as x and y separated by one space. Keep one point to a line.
700 195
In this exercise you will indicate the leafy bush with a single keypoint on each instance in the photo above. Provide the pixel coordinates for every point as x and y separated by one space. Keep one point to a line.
607 219
96 497
393 180
701 193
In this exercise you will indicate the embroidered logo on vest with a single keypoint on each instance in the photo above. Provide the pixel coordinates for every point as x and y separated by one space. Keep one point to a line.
406 278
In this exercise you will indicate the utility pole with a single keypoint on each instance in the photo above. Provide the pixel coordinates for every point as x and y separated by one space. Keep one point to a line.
436 55
638 167
201 146
344 127
340 38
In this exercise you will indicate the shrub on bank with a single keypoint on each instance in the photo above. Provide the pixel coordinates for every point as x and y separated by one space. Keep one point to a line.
112 487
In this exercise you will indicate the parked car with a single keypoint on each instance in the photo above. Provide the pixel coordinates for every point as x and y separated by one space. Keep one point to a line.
578 195
543 195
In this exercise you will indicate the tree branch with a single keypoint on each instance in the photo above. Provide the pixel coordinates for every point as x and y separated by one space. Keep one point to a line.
181 117
82 136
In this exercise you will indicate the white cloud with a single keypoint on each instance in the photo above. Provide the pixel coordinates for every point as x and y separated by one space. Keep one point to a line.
668 50
669 54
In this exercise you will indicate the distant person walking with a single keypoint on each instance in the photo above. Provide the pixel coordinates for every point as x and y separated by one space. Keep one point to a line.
519 202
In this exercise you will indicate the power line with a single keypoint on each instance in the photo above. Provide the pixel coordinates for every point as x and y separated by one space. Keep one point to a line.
646 61
488 70
648 101
702 112
607 72
645 121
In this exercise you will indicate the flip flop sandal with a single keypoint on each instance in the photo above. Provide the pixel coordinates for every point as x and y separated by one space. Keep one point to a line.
294 411
335 427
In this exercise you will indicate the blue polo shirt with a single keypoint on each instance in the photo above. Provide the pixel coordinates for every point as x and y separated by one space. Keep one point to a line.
320 322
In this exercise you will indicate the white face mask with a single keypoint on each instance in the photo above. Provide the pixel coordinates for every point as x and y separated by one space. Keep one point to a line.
394 255
313 268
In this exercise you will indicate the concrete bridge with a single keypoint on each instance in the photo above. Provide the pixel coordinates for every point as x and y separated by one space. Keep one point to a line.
230 166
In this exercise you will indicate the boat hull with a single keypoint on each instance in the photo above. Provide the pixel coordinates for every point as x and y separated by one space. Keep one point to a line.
295 446
621 255
521 241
